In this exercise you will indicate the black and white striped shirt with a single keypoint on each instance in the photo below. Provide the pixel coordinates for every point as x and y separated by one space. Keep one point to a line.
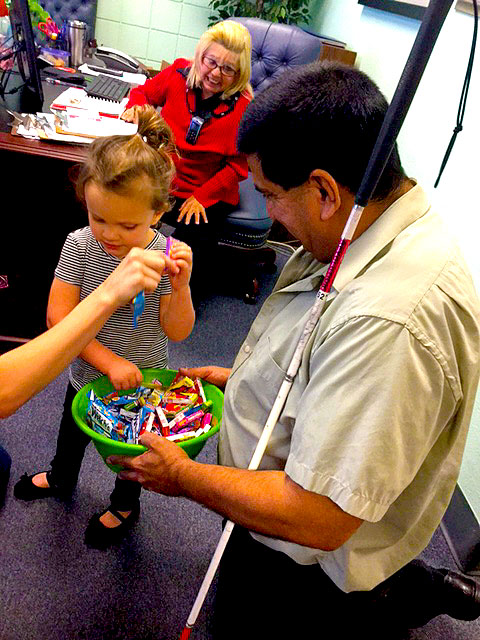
85 264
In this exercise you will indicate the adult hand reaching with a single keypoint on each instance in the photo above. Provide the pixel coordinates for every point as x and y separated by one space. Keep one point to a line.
215 375
192 208
131 115
139 270
39 361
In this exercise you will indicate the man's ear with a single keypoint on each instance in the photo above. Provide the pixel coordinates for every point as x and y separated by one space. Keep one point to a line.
328 192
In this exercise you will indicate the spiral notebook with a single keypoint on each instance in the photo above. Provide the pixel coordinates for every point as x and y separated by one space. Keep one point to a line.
76 98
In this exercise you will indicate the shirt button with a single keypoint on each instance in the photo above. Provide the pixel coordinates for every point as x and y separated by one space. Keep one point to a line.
247 349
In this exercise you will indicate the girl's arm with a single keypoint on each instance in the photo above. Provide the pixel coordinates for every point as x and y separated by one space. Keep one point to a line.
123 374
177 315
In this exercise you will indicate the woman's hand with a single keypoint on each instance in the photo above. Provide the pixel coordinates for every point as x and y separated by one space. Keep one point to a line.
215 375
131 115
192 208
139 270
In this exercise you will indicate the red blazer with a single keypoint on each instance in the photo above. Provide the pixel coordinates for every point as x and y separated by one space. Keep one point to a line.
211 169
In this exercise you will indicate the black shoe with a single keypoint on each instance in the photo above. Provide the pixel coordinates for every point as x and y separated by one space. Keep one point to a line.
26 490
462 596
98 536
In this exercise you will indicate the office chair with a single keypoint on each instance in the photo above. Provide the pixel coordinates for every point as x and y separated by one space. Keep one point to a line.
275 48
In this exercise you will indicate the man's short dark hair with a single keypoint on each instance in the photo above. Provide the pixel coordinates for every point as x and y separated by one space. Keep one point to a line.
319 116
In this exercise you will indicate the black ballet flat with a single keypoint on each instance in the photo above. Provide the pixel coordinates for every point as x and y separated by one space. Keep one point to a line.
26 490
97 536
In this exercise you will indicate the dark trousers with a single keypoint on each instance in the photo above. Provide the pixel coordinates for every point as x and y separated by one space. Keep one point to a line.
202 238
65 466
262 594
5 464
204 234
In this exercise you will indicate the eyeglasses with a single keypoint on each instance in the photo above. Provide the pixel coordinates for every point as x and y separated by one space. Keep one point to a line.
225 69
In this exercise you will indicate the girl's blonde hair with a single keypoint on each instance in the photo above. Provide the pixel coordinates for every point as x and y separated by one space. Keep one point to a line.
114 162
234 37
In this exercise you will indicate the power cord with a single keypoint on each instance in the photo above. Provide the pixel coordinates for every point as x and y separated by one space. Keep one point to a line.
463 97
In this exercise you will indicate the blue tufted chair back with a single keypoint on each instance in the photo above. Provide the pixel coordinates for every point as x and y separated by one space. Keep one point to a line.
61 10
276 48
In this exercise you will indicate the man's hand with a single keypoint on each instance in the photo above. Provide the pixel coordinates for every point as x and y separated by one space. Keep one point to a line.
159 469
192 208
215 375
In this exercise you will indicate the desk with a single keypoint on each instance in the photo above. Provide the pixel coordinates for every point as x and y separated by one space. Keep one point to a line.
39 210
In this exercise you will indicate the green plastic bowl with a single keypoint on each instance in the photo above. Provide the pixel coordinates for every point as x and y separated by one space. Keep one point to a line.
107 447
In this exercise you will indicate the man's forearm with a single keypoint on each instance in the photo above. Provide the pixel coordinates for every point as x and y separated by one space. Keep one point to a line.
268 502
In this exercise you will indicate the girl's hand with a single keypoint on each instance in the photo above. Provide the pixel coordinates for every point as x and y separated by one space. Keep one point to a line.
181 254
192 208
124 374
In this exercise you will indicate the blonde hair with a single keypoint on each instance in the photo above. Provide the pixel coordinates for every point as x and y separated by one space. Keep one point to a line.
234 37
114 162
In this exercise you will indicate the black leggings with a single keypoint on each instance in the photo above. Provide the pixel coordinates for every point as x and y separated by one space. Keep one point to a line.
5 464
65 466
202 238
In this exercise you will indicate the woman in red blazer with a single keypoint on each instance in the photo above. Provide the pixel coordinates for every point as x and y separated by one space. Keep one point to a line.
203 101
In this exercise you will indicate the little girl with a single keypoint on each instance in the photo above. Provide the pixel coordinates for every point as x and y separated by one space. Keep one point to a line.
125 184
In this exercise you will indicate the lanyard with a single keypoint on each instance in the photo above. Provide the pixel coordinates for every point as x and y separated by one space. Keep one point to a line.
197 121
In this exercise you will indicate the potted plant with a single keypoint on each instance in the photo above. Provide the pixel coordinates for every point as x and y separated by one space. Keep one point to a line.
286 11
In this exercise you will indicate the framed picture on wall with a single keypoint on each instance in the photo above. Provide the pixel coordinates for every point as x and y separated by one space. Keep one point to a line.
466 6
410 8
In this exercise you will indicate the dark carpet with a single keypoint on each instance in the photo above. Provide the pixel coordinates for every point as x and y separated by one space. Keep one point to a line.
53 588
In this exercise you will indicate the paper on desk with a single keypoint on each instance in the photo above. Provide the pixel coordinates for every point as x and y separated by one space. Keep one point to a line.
76 98
89 125
77 128
131 78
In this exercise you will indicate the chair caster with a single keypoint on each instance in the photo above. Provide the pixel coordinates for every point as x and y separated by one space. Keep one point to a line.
251 296
249 299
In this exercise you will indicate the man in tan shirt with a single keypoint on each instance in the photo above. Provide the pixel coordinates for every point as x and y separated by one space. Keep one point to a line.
364 458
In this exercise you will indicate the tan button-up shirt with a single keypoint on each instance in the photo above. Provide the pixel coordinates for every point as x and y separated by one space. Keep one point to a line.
378 413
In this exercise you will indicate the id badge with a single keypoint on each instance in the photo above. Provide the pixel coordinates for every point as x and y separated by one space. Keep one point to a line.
194 129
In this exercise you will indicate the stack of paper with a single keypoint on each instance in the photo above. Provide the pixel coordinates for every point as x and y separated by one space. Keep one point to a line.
74 127
91 125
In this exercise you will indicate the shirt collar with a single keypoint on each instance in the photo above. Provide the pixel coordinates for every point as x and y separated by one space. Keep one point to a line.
303 272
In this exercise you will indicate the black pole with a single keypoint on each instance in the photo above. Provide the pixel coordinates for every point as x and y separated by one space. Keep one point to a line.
427 35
